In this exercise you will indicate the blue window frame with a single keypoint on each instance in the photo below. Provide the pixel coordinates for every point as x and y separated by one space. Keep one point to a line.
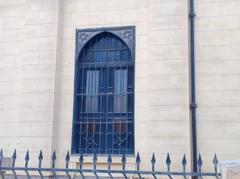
103 120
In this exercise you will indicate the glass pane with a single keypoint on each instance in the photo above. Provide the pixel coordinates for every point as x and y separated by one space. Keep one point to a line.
120 88
92 90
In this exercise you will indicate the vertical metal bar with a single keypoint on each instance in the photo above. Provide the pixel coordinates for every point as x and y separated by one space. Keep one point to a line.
113 95
193 90
124 166
109 161
215 163
1 160
95 165
138 161
88 96
14 157
40 158
199 164
168 163
106 119
100 110
53 164
153 162
81 95
93 101
26 164
127 116
81 159
67 159
184 163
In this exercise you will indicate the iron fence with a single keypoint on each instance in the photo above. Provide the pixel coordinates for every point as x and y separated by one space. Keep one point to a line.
109 172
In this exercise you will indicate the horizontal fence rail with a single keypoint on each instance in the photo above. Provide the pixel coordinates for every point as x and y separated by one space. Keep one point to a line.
109 172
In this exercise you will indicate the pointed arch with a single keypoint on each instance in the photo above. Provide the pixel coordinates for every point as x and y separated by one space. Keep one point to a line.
104 47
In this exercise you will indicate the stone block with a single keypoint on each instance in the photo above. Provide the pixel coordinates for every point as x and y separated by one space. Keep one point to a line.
168 52
220 67
169 67
168 37
169 8
168 113
169 82
218 8
168 98
36 100
40 43
38 71
168 22
219 98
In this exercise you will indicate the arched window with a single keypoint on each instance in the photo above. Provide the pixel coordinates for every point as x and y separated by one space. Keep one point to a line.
104 97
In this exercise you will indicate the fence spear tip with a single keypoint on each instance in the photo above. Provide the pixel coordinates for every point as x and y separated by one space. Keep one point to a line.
27 156
81 158
54 157
14 156
40 156
109 159
95 157
138 159
184 160
168 160
215 160
1 154
199 160
124 159
67 158
153 160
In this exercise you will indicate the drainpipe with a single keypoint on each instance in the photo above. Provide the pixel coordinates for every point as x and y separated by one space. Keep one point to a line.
193 90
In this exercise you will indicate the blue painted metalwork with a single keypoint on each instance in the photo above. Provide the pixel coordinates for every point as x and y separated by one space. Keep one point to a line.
103 119
193 104
108 171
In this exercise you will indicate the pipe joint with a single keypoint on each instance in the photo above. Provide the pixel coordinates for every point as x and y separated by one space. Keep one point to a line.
192 15
193 105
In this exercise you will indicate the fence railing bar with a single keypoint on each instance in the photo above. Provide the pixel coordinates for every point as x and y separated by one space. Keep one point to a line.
14 157
124 160
143 172
26 164
199 164
184 163
1 159
153 162
109 171
109 161
168 163
40 158
81 159
67 159
215 163
95 165
138 161
54 157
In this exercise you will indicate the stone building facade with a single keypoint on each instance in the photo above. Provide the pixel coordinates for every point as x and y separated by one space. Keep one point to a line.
37 57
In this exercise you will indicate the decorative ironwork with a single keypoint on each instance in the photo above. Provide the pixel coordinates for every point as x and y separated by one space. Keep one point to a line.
108 171
83 36
128 34
103 119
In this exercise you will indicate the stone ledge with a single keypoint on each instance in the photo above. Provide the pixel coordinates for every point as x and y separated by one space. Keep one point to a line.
230 169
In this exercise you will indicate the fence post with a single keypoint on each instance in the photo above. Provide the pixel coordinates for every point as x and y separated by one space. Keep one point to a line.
230 170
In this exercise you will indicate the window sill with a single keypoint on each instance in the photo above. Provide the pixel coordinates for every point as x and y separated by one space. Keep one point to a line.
102 159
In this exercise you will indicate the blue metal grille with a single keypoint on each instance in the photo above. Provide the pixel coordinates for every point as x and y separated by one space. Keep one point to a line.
104 97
